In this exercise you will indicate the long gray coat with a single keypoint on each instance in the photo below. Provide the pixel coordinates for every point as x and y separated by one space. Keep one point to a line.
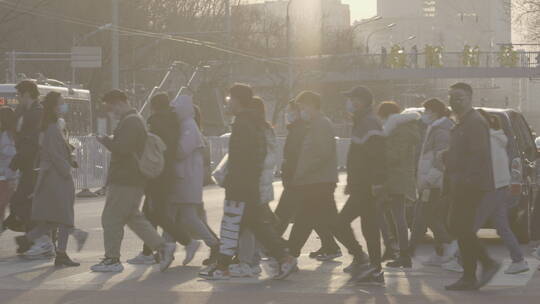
54 194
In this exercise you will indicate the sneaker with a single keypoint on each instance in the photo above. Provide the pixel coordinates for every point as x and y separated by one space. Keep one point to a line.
108 265
80 237
453 265
288 266
40 248
517 267
213 273
241 270
357 263
166 256
463 285
370 276
315 254
142 259
191 250
434 261
329 256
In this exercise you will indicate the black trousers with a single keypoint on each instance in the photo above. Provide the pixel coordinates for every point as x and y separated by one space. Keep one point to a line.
361 203
21 203
156 210
253 216
288 209
462 219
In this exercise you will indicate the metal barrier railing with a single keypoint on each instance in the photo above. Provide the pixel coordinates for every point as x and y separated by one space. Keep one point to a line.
93 158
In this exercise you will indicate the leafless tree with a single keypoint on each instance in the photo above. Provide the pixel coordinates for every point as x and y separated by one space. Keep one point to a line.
527 14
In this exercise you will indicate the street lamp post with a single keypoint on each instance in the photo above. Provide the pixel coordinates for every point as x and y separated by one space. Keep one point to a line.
78 42
389 26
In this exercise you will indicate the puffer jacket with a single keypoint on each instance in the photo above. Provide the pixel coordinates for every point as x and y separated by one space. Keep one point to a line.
267 176
430 165
402 137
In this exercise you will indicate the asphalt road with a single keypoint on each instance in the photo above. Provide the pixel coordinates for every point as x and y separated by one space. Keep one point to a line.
39 282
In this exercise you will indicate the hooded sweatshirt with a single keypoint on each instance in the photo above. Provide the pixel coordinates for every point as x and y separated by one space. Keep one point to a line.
499 158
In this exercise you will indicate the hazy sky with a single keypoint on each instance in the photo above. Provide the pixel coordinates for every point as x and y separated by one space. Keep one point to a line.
362 8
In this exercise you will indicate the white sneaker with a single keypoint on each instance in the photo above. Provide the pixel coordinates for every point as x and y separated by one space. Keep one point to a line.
434 260
450 251
518 267
453 265
191 250
166 255
142 259
40 247
241 270
108 265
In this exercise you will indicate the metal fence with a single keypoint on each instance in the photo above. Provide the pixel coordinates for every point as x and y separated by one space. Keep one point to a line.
93 158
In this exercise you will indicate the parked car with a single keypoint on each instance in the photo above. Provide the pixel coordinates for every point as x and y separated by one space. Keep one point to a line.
523 152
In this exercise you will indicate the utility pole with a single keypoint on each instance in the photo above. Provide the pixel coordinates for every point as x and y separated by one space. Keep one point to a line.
115 46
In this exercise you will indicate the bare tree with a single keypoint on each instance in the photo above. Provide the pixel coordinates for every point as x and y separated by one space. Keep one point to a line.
527 14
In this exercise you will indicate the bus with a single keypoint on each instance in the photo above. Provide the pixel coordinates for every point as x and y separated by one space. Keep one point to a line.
79 117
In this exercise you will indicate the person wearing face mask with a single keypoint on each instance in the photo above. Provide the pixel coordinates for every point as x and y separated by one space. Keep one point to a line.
125 187
469 177
429 209
54 195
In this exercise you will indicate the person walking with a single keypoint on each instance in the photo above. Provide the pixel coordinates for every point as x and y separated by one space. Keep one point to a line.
54 195
366 174
125 187
402 136
429 211
8 178
495 205
470 178
247 153
29 113
188 179
164 123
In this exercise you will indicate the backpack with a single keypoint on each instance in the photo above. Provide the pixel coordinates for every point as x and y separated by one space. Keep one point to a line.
152 160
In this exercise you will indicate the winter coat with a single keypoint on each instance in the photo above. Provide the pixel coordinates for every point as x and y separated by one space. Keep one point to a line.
292 149
247 153
189 163
126 143
430 165
165 124
27 138
54 194
317 163
500 159
366 158
7 152
267 176
468 161
402 137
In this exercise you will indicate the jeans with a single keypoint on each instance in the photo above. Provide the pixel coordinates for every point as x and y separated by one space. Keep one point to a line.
396 205
361 203
122 208
240 215
432 215
494 207
465 202
317 211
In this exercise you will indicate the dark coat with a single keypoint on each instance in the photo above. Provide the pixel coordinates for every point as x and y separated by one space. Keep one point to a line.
468 159
247 152
291 150
54 195
129 138
27 139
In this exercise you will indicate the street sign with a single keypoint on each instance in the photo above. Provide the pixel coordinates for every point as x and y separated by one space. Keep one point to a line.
86 57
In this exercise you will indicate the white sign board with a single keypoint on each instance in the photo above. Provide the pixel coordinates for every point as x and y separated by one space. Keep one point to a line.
86 57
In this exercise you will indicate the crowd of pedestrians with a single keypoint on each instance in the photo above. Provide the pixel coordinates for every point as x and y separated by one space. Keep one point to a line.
452 165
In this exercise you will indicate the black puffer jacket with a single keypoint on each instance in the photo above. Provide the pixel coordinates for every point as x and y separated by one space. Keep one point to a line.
247 152
292 150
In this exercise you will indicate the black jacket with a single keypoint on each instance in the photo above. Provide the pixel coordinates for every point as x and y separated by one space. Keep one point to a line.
292 150
165 124
366 162
468 162
27 139
129 138
247 152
